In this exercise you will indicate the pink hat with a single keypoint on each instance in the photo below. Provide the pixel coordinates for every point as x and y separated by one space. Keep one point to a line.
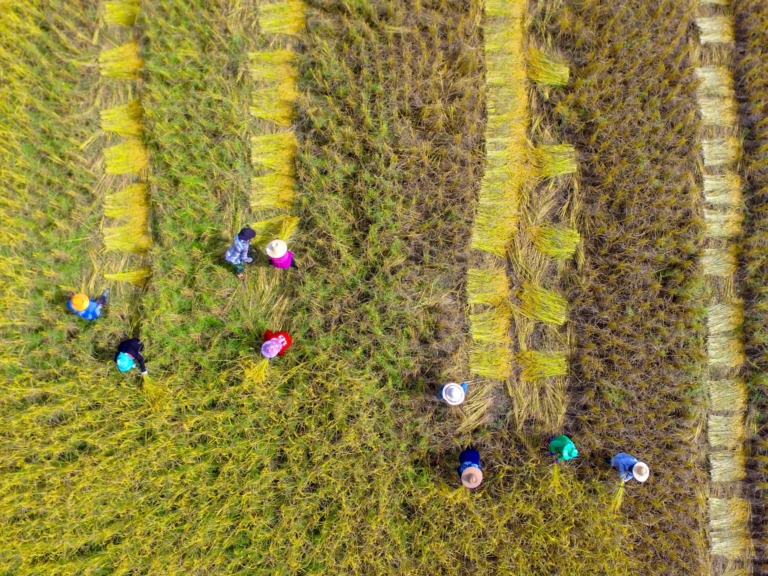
271 348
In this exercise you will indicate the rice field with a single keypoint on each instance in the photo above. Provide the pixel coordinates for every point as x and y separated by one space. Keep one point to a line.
558 202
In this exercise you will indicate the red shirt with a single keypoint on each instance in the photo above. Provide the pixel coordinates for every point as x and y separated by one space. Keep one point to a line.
285 340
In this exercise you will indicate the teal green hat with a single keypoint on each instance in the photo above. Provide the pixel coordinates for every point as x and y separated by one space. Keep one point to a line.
124 362
569 451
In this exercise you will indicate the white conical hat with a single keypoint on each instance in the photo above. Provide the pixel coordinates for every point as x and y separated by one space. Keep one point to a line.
641 472
277 249
453 394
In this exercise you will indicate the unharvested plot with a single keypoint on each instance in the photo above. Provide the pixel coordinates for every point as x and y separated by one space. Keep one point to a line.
637 321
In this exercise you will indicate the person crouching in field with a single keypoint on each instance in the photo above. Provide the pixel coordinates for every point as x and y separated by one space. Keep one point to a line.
279 255
275 344
237 254
630 467
128 353
562 448
470 471
86 308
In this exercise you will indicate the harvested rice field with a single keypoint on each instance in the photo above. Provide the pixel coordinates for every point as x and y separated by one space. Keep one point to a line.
557 203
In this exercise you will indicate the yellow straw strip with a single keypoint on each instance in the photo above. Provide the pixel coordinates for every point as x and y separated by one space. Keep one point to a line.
130 157
121 12
122 62
138 277
124 119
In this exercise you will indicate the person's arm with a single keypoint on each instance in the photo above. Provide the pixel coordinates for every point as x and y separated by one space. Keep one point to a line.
244 252
140 360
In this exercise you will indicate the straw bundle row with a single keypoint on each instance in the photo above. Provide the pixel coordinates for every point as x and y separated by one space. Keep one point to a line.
723 189
723 224
720 151
487 285
130 157
727 466
725 431
130 207
715 29
490 361
725 317
138 277
285 17
272 65
283 227
715 81
124 119
273 191
727 395
720 262
543 304
122 62
555 160
725 350
275 152
546 69
121 12
728 521
557 242
491 326
535 366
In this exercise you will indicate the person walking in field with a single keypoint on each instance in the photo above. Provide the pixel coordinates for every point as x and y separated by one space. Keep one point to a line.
128 353
470 471
630 467
86 308
452 393
275 344
279 255
562 448
237 254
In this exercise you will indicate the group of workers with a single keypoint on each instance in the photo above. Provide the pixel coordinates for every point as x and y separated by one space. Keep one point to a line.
561 447
276 343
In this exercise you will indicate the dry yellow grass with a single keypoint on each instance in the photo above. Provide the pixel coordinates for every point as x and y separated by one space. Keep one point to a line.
129 157
121 12
124 119
728 532
123 62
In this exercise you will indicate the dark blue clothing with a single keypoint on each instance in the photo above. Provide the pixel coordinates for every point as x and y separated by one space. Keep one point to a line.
133 348
624 462
91 313
467 459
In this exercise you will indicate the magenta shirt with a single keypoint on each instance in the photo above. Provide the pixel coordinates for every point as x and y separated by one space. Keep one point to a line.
284 261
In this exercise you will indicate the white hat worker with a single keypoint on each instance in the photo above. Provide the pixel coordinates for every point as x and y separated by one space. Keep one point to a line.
641 472
453 394
277 249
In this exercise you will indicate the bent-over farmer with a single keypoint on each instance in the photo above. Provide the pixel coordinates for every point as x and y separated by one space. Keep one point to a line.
562 448
237 254
470 470
128 353
279 255
86 308
630 467
275 344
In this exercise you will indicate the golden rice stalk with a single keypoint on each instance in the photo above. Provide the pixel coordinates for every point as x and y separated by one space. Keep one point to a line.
727 395
555 160
727 431
723 190
718 111
547 69
282 227
720 2
139 277
285 17
491 326
131 236
130 157
256 372
273 65
619 497
476 409
543 304
122 62
723 224
715 81
487 285
557 242
273 191
725 316
276 103
496 220
156 394
729 527
121 12
727 466
715 29
128 202
491 361
720 262
275 151
536 365
720 151
725 349
505 9
124 119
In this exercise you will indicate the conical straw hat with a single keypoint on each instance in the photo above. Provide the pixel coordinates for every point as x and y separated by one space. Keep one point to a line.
453 394
277 249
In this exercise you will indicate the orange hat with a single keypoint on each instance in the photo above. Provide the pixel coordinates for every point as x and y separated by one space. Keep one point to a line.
80 302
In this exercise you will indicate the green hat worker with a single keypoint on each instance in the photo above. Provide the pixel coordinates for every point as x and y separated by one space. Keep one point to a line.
562 448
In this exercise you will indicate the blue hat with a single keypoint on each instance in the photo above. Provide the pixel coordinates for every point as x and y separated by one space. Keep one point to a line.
124 362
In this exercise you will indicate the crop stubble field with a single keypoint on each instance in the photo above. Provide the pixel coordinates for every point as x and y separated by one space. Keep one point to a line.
340 462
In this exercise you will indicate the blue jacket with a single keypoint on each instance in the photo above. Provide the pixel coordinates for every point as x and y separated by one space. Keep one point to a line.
91 313
467 459
624 462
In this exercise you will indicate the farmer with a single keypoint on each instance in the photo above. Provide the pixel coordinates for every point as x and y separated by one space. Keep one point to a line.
279 255
275 344
562 448
86 308
237 254
470 471
453 394
630 467
129 352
